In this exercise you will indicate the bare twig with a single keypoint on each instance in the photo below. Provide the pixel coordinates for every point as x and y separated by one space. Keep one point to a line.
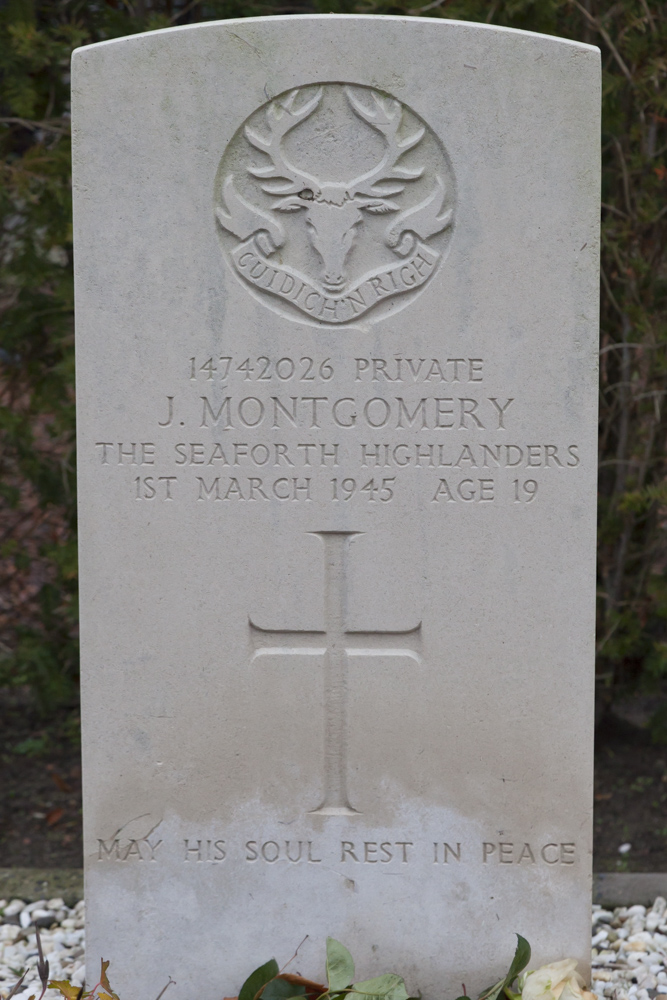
659 215
17 986
42 964
626 179
172 982
429 6
616 582
295 953
594 22
620 347
612 208
649 16
610 294
35 126
181 13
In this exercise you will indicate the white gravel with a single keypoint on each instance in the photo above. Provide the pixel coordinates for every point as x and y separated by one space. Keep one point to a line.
630 951
629 948
63 941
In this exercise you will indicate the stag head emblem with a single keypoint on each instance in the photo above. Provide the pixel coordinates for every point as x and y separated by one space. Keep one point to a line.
309 267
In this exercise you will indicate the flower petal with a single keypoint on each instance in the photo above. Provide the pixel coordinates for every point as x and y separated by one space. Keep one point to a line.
547 982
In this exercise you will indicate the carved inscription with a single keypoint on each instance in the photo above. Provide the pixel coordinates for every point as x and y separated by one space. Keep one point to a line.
517 854
121 849
222 368
305 429
336 643
346 412
371 852
358 223
204 850
271 851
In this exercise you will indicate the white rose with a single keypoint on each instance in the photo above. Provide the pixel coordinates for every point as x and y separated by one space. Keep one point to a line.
556 981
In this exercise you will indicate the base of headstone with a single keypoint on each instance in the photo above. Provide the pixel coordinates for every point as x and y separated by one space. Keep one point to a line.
31 884
628 888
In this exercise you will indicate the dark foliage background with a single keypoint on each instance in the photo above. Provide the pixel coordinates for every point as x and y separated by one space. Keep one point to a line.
38 570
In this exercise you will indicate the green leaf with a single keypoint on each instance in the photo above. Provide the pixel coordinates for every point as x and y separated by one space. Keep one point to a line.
68 991
492 992
280 989
340 966
520 960
387 987
519 963
258 979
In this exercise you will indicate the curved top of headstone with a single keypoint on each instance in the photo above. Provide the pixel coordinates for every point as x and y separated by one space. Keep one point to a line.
411 23
333 172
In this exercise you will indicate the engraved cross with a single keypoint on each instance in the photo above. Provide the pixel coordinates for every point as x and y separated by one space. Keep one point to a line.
336 643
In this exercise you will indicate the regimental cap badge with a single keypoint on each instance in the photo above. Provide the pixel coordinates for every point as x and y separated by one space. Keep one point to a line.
334 201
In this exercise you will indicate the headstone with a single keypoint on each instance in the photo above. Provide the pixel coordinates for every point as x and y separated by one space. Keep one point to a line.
336 341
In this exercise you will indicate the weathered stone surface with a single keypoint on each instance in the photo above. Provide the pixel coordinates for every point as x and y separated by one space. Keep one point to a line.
337 341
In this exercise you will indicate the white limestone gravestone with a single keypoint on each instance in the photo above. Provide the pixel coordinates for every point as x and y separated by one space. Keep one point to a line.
336 284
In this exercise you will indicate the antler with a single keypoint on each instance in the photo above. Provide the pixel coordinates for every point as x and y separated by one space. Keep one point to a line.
425 219
243 220
385 118
282 177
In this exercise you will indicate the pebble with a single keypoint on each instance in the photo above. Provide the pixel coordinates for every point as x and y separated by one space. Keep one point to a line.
629 948
632 965
62 933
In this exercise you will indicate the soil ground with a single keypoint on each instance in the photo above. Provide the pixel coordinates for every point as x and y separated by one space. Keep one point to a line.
40 788
40 792
630 799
